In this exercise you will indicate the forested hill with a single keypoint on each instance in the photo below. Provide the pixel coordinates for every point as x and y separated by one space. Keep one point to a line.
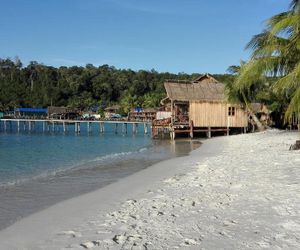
38 85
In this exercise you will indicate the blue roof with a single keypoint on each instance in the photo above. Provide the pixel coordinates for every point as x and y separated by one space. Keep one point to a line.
32 110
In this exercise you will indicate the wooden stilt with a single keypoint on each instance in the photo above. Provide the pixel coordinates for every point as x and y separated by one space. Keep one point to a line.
191 129
134 128
209 132
101 127
91 127
124 128
116 128
145 128
88 127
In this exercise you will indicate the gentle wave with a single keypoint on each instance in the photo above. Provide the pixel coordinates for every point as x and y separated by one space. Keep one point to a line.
83 165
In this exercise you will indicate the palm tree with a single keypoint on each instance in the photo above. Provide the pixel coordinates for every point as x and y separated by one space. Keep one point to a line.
276 52
237 95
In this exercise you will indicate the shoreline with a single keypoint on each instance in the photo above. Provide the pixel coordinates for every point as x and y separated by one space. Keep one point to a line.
36 194
70 212
211 186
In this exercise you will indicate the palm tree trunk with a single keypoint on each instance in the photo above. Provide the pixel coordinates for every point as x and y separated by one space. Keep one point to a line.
257 122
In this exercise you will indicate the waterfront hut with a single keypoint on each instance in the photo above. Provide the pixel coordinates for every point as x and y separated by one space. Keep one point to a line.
140 114
111 112
30 112
201 106
62 113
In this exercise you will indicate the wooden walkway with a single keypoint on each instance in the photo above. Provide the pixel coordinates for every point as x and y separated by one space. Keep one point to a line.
51 124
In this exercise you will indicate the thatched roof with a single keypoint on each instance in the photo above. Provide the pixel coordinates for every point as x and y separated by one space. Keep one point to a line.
57 110
204 88
113 108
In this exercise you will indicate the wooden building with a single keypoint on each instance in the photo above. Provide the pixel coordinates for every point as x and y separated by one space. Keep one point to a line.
201 106
112 112
141 114
62 113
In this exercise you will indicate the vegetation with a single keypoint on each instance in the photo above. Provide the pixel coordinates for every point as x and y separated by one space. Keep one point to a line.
273 72
38 85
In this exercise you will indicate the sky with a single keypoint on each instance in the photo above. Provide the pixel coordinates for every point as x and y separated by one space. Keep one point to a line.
191 36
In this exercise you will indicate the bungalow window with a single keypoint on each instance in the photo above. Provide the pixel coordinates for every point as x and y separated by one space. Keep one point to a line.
231 111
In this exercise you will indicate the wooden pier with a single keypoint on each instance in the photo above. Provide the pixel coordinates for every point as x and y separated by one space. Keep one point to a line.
53 125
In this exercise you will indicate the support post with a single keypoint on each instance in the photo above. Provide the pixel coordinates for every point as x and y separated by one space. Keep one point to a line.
172 134
64 127
209 132
18 125
191 129
145 128
53 126
90 127
245 130
116 128
124 128
101 127
227 131
29 125
134 128
172 112
78 127
24 126
44 126
5 126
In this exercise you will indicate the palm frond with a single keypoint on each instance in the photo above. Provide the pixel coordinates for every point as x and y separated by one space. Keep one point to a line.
289 82
294 106
294 5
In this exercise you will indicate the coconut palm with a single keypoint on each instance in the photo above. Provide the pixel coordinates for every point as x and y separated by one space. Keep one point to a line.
236 95
276 52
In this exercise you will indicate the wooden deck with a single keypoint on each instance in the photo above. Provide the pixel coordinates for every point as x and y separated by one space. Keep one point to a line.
50 124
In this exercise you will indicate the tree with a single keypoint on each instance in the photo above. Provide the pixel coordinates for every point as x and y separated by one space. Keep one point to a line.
276 53
239 94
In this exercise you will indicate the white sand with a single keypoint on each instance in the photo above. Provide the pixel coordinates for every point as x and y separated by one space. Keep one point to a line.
237 192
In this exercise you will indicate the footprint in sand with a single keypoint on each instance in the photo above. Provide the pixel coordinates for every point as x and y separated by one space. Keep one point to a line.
71 233
90 244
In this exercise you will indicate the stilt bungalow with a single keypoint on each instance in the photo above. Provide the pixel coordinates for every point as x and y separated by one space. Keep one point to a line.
140 114
200 106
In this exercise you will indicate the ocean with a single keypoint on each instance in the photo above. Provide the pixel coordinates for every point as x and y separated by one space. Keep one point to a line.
39 169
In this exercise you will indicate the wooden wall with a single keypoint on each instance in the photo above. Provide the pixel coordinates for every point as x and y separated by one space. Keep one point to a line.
215 114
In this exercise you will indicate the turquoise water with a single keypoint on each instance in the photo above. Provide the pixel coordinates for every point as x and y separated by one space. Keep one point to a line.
39 169
27 155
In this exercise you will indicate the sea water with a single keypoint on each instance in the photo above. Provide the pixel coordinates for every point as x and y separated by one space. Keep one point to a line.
39 169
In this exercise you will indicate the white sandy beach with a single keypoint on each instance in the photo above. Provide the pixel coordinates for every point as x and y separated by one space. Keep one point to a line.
237 192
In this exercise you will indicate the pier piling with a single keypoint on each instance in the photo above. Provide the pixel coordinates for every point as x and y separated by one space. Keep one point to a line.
116 128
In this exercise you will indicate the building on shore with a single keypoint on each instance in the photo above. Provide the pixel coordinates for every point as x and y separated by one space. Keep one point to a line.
30 112
140 114
62 113
112 112
199 106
